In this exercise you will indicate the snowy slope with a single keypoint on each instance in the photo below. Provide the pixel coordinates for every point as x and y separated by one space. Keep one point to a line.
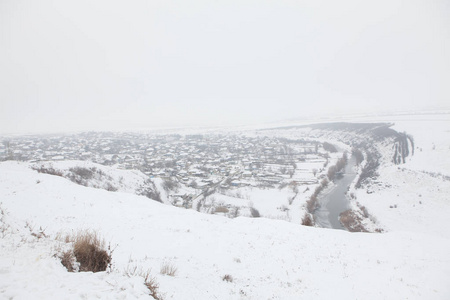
102 177
267 259
414 196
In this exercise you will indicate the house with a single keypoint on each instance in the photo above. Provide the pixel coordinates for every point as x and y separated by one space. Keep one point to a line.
247 174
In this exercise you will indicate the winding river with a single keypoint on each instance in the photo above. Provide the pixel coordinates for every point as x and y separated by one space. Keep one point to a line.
334 201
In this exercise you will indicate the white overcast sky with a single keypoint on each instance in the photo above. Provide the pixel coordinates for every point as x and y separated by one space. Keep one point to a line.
81 65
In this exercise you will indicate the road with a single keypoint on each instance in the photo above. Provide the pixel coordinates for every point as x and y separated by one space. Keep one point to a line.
215 185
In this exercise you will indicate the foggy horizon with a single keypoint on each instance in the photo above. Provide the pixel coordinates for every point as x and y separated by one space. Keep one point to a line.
115 65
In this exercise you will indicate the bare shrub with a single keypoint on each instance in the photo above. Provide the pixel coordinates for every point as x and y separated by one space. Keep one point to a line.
168 268
291 199
283 208
170 184
149 281
254 212
85 173
37 234
329 147
369 171
353 222
148 189
235 212
221 209
331 172
307 220
359 156
89 251
342 162
68 260
47 170
111 188
340 165
4 227
153 286
364 211
311 203
227 278
198 205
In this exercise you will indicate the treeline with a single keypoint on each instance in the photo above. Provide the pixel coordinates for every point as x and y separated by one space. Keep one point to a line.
329 147
311 204
358 155
340 165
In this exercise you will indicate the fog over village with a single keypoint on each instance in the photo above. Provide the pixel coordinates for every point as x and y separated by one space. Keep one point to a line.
224 149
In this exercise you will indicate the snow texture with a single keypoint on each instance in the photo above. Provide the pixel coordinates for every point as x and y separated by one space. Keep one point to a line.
267 259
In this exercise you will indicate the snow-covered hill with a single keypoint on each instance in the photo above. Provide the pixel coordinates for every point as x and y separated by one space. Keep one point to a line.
94 175
414 196
406 159
266 259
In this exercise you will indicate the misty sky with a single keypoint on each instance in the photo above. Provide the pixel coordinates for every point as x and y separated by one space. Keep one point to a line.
81 65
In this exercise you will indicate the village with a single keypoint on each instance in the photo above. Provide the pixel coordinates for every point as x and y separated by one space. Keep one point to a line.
196 161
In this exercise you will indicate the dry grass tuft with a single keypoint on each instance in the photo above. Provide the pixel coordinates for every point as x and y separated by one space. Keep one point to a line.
153 287
88 250
168 268
149 281
65 238
68 260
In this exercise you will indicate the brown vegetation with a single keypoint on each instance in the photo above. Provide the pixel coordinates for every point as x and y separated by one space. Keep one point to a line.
47 170
221 209
352 221
89 251
168 269
311 204
68 260
307 220
153 286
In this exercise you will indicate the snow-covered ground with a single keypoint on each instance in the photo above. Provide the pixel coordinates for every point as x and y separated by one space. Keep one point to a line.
415 196
431 132
94 175
267 259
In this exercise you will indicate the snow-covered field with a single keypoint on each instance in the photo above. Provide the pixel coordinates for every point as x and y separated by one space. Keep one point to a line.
266 258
